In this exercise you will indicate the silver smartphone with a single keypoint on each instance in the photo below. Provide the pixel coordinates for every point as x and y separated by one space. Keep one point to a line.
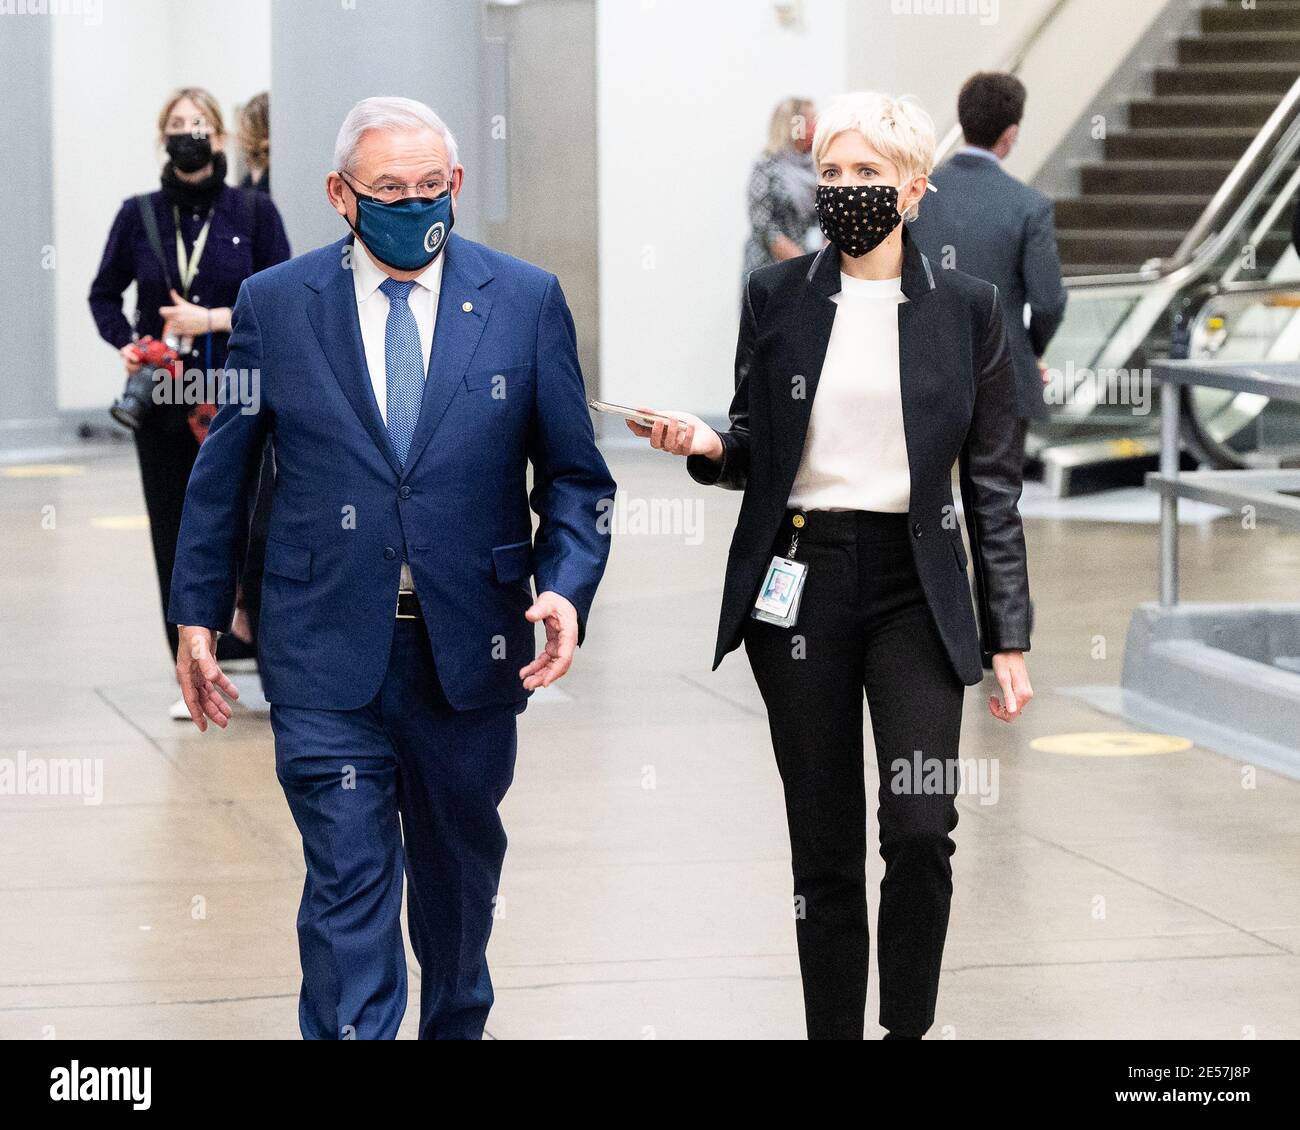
643 418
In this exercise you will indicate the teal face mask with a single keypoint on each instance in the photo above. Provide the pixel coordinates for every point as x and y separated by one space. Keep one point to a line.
408 235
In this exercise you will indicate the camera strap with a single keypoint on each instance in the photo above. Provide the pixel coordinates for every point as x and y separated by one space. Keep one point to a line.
150 222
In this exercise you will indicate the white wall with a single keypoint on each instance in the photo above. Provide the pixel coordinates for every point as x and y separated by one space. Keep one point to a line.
109 82
928 48
684 93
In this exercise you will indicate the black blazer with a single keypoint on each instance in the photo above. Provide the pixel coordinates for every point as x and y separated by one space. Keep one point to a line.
958 388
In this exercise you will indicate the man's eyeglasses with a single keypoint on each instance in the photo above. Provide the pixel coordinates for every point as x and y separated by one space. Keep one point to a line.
392 193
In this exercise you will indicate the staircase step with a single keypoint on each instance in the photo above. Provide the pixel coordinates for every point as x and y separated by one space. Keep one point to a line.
1164 178
1127 246
1086 248
1243 47
1234 111
1214 78
1076 270
1137 144
1265 17
1110 211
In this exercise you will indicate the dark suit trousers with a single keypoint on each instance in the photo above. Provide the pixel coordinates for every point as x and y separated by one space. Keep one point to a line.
404 784
863 625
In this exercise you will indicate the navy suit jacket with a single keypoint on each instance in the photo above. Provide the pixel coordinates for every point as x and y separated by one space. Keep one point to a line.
503 390
1004 232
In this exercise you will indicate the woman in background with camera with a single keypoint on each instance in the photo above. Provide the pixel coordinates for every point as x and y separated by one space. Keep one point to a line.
187 247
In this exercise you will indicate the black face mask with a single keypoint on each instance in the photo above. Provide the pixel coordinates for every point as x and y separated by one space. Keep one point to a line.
857 218
188 153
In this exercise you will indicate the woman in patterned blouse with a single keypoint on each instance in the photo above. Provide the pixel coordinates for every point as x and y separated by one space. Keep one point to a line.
782 188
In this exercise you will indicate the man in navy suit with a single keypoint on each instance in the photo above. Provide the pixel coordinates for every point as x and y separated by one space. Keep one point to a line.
985 223
407 379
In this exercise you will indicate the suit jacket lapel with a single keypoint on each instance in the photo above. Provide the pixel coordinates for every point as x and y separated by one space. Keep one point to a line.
332 310
462 313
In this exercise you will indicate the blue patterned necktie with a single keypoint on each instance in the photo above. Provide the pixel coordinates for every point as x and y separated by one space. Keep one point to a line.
404 365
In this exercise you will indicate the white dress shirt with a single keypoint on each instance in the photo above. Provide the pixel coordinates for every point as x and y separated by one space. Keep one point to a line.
855 453
372 311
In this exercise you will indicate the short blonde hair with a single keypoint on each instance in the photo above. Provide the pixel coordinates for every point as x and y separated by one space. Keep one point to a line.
897 128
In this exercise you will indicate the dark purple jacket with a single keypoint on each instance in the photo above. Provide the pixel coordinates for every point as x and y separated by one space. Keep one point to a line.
247 236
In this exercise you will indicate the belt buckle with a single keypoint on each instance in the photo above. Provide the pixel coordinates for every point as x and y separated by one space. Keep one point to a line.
401 593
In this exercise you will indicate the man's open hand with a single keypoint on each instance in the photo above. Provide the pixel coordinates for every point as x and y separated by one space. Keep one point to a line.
561 620
201 680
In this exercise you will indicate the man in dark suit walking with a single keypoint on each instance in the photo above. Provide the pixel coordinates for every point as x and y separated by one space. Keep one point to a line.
985 223
408 379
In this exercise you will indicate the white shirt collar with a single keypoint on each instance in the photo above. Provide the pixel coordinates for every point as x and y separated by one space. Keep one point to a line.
367 274
976 151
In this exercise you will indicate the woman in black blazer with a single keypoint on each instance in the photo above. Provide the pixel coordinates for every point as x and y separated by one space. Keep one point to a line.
863 373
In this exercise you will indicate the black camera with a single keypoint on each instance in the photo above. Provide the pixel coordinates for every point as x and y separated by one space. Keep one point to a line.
133 407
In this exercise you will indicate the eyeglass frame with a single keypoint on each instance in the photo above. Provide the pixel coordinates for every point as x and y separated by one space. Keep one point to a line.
408 190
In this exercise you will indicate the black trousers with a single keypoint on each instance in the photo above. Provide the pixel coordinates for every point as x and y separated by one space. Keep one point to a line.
166 451
864 625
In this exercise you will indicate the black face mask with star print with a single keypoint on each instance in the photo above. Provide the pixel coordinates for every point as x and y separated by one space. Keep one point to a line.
857 218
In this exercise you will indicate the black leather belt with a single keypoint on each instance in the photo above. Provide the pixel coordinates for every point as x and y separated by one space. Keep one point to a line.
408 606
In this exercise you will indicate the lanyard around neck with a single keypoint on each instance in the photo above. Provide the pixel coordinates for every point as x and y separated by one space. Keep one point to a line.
189 266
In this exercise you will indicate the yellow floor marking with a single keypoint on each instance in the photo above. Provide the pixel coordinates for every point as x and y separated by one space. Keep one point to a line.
121 522
42 471
1110 744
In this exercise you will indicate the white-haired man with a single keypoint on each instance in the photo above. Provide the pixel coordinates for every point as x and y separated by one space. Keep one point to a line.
408 378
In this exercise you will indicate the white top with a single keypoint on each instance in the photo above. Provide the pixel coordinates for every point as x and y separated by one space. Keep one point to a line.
855 453
372 311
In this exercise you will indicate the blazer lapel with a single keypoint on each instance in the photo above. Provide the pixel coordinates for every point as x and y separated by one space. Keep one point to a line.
462 313
815 317
916 367
332 310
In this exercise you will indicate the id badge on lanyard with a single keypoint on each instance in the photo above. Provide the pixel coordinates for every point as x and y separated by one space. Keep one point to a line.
189 265
782 588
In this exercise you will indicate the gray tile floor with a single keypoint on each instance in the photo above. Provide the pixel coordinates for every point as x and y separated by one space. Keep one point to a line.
646 892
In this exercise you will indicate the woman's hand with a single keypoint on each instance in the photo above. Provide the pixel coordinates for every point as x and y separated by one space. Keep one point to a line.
1013 677
679 433
130 358
185 319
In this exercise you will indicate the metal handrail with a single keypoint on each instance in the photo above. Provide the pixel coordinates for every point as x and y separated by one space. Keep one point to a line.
1192 324
1273 496
1158 283
1011 64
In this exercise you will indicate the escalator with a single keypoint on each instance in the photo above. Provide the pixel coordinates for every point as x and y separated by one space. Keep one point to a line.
1178 244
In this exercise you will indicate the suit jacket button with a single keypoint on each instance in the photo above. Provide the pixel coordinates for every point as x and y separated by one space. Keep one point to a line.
390 554
405 492
916 529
